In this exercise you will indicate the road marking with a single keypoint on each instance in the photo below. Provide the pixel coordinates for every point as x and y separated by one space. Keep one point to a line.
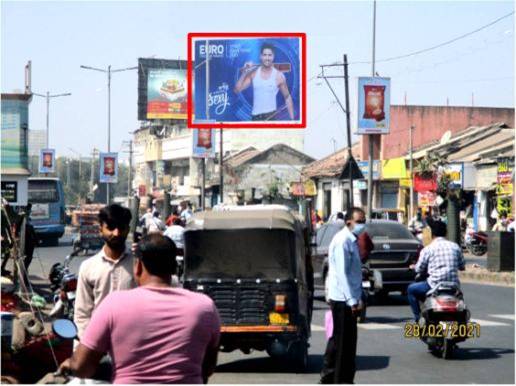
504 316
365 326
487 323
378 326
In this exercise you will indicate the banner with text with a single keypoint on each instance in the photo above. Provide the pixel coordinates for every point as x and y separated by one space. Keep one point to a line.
108 168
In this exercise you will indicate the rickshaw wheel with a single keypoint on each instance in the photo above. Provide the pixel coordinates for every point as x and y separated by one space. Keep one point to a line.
299 355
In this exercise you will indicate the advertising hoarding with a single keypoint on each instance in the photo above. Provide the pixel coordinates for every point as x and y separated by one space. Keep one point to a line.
374 103
364 168
256 80
203 143
10 190
161 89
47 161
108 168
166 94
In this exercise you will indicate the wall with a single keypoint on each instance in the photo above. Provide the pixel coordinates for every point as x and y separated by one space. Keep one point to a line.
431 122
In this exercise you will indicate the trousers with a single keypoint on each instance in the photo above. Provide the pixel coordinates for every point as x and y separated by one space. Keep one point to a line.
339 358
416 292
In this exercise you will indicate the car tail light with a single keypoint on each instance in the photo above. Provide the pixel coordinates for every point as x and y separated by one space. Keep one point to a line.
70 285
280 302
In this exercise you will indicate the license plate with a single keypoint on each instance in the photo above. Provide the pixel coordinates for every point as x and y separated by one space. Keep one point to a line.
276 318
70 295
366 284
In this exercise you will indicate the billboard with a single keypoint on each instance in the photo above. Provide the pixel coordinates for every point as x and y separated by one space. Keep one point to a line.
252 80
47 161
108 168
203 143
374 104
161 89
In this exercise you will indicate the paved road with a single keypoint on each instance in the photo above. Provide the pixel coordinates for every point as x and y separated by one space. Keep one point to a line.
384 356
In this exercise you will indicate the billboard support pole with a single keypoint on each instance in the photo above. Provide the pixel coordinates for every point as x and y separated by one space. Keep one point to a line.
221 167
371 136
203 186
348 127
109 127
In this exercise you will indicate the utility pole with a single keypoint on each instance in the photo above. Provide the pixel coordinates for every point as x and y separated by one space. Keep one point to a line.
348 127
411 130
130 176
371 136
108 72
47 96
346 112
92 171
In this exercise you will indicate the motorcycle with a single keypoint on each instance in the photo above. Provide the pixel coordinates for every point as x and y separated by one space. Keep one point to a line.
64 285
445 319
475 242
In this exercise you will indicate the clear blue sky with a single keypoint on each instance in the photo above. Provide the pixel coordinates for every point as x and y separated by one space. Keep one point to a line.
60 36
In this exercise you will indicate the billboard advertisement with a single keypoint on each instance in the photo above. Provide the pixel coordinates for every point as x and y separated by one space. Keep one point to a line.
203 142
374 104
47 161
161 89
166 94
247 80
108 168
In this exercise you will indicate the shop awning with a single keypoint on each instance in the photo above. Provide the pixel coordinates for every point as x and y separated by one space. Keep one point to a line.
394 169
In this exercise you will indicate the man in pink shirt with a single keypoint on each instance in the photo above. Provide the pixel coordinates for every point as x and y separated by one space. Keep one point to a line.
154 333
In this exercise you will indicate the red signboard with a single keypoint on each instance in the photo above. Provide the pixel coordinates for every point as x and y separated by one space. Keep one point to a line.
425 184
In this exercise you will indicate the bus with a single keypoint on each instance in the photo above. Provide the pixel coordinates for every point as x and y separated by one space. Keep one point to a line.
46 195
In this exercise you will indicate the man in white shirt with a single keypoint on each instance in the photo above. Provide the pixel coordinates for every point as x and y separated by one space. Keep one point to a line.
109 270
266 81
175 232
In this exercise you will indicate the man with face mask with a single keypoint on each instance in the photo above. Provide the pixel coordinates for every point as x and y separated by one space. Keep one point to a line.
107 271
344 291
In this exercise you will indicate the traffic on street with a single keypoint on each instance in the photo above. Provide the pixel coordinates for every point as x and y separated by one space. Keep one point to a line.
316 192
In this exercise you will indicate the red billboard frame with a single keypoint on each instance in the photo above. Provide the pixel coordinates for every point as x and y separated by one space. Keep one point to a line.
236 125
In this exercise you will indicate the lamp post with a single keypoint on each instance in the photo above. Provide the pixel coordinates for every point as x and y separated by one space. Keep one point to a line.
47 96
109 71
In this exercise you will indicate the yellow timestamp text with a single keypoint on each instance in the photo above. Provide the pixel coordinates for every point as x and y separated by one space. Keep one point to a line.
442 330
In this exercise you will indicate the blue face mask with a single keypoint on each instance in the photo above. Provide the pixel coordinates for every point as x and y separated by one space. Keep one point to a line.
359 228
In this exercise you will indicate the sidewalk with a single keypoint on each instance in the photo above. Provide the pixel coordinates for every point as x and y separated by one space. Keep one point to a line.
478 274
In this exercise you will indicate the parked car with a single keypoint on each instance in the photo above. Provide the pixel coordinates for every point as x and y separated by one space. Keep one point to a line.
395 249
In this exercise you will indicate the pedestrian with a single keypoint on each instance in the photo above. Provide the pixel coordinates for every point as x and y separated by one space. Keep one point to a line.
155 333
344 292
155 225
501 223
340 219
143 220
175 232
107 271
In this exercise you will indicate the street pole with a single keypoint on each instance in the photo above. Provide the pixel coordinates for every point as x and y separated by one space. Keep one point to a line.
47 97
221 168
371 136
203 160
108 128
108 72
130 181
348 127
411 175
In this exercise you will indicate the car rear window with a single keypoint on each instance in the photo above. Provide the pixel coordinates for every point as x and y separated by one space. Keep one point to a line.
387 230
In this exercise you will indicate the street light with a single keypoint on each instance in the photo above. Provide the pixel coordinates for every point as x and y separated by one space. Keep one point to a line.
108 72
47 96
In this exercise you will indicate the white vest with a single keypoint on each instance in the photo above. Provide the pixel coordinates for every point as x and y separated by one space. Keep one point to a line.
264 91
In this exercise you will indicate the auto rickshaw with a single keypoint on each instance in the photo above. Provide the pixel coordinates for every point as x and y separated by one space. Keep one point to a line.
254 262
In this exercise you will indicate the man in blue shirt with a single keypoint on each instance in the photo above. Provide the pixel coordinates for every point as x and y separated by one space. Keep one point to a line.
344 291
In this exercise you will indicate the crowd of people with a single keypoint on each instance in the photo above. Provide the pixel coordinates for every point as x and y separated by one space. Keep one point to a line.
132 320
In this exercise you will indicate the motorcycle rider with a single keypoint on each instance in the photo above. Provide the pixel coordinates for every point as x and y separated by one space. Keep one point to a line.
440 261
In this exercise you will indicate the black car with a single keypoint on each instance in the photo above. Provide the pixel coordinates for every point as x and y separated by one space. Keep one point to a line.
395 249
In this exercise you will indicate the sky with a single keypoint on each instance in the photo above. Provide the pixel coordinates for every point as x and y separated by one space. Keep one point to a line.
58 37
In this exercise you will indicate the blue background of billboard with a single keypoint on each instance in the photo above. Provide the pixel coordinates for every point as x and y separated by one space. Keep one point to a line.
225 69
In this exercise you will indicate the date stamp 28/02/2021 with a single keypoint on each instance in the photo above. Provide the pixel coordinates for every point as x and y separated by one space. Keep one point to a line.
442 330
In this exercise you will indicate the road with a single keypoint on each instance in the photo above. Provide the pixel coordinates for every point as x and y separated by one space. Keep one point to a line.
384 355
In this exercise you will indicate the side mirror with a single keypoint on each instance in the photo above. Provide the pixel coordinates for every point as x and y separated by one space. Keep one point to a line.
65 329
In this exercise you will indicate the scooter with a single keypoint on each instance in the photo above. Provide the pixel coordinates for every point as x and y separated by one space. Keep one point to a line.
64 284
67 330
445 319
476 242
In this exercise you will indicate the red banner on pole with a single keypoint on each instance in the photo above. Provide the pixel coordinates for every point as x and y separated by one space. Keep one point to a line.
425 184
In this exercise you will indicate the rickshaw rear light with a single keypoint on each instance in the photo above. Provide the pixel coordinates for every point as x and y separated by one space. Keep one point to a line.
280 302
